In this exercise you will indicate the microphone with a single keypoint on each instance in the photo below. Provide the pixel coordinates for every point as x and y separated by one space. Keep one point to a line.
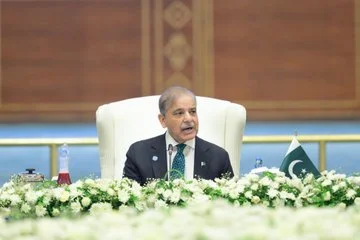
170 151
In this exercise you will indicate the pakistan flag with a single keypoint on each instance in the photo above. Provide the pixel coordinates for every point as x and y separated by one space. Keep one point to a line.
297 163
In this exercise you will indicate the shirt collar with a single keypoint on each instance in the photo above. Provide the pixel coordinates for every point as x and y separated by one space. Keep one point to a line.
170 140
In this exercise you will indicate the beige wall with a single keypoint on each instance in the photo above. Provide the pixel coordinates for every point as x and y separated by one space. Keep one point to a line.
60 60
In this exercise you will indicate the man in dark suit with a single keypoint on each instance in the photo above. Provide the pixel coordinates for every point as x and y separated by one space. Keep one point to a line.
148 159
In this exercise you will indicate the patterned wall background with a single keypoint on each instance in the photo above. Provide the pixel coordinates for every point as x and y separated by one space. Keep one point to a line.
282 60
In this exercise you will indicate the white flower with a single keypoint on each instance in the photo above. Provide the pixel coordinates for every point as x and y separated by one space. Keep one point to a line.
25 208
64 197
200 198
291 196
40 211
357 201
15 199
150 199
75 207
55 212
160 190
298 203
99 208
140 206
74 193
195 187
335 188
123 196
178 182
327 196
255 199
233 194
272 193
160 204
350 194
274 185
236 204
103 184
279 202
240 188
77 184
280 180
254 187
90 182
86 201
166 194
283 195
248 194
297 183
265 181
175 196
308 178
110 191
224 191
58 192
326 182
253 177
355 180
94 191
342 184
46 200
30 197
341 205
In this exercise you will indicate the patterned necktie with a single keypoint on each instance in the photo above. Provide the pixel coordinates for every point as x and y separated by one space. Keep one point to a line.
178 166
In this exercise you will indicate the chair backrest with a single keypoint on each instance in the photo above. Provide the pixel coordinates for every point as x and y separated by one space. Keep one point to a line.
121 123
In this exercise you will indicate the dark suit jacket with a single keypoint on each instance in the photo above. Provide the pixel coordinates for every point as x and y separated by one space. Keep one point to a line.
147 159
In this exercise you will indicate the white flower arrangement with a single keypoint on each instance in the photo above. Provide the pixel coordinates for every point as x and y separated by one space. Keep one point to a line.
253 197
271 189
216 219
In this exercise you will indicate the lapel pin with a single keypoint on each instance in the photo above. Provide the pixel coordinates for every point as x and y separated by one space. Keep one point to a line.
203 164
154 158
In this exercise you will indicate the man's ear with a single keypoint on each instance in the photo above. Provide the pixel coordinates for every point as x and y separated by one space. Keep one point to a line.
162 120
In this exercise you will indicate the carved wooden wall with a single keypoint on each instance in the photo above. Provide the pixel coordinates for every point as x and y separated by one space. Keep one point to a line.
282 59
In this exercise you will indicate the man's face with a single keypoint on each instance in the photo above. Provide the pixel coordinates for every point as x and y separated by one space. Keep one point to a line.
181 119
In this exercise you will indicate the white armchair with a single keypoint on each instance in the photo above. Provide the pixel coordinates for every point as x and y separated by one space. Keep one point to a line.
121 123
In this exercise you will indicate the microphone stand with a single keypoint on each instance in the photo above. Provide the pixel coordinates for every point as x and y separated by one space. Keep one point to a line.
170 150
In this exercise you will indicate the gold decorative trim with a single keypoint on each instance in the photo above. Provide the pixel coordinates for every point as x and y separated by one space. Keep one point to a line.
177 14
158 51
178 51
209 50
197 53
179 77
145 48
203 42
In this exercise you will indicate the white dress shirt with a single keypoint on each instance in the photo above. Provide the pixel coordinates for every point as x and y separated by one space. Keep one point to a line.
189 153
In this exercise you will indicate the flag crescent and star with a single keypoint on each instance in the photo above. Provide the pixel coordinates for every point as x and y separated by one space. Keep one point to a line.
291 168
297 163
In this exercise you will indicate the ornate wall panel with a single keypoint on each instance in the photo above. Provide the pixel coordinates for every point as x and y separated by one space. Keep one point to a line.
179 52
61 59
285 59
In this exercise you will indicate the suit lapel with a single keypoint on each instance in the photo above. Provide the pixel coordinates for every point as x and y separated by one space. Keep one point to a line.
158 149
200 161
